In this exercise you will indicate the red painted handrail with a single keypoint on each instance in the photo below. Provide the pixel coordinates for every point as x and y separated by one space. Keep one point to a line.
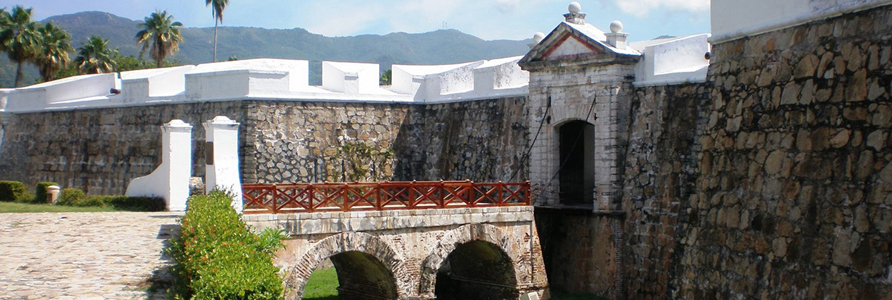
358 196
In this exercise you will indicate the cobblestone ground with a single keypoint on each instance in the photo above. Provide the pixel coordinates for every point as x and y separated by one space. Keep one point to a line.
85 255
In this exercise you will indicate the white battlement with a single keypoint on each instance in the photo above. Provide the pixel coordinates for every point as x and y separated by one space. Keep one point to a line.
350 78
665 61
460 82
143 85
236 80
272 79
60 92
500 74
672 60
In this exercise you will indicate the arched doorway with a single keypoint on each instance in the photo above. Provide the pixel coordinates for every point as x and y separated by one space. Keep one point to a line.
577 163
359 276
476 270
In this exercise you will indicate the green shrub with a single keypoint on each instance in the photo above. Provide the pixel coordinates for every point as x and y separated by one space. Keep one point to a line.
71 197
219 258
12 191
135 203
40 191
76 197
27 198
90 202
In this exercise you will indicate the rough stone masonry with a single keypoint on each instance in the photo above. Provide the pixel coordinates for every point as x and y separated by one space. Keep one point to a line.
101 150
793 189
772 179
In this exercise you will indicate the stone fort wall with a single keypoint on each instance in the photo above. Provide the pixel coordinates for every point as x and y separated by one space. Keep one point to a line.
659 175
793 174
627 252
101 150
770 180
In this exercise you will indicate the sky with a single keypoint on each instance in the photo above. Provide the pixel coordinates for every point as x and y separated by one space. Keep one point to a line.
487 19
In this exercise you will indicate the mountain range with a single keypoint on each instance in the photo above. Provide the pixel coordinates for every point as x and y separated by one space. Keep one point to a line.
436 47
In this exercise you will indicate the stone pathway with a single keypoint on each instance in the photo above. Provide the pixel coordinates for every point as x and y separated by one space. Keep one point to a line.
84 255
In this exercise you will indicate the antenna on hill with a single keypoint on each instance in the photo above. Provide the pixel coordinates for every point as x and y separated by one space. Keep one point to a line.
445 25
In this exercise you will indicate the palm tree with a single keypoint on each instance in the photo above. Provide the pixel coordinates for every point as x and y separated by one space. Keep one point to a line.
94 57
217 11
54 43
17 38
162 33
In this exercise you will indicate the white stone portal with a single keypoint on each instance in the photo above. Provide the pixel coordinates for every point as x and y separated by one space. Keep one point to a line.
221 157
171 179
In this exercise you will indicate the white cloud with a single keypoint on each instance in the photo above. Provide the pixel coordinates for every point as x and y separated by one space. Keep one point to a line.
345 20
642 8
507 6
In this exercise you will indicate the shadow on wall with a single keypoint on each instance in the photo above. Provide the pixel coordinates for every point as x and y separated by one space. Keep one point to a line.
479 140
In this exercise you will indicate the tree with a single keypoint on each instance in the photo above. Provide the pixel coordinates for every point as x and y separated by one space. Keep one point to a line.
386 77
53 45
94 57
130 63
161 33
17 38
217 7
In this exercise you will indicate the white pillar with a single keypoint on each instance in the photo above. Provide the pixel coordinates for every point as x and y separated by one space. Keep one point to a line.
221 156
4 121
171 179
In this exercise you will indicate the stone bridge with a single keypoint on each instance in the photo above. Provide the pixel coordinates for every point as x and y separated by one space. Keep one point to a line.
441 253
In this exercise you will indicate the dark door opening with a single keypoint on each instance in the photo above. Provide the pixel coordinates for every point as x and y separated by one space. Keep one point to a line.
476 271
577 174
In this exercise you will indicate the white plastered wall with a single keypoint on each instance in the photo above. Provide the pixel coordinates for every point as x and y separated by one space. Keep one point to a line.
733 19
350 78
171 179
672 61
224 173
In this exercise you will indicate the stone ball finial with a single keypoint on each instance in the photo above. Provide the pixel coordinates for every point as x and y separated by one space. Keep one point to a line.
538 37
575 8
616 27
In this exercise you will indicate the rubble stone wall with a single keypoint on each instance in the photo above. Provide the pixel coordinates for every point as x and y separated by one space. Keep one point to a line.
771 180
794 177
101 150
579 250
659 178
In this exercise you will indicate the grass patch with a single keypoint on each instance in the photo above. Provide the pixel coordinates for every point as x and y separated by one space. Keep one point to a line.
322 285
17 207
565 296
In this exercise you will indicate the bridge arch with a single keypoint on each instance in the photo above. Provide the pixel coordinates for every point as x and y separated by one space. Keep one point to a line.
348 248
473 237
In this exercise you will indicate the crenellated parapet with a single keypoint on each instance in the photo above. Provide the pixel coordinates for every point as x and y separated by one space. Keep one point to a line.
273 79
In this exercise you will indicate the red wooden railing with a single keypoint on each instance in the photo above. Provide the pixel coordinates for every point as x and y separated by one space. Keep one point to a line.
322 197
